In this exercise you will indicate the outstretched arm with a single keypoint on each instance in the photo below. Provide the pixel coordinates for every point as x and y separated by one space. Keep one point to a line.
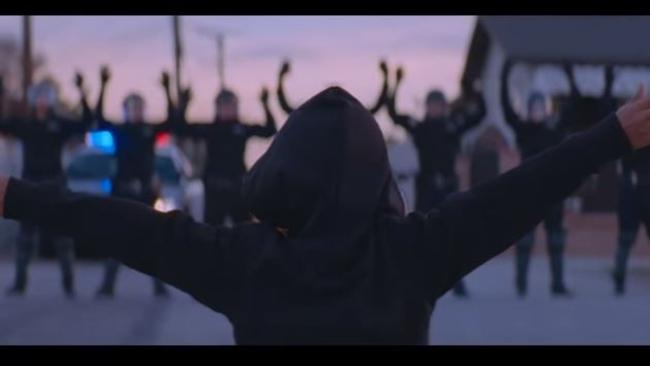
574 92
473 227
509 113
171 108
173 114
8 126
100 121
193 257
284 104
268 129
70 127
86 113
383 93
403 120
569 109
184 102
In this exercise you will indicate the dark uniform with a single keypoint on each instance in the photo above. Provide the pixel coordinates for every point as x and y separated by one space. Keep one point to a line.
534 138
135 154
43 142
222 178
437 142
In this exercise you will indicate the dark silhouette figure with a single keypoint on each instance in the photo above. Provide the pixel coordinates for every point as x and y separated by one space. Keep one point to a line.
437 141
226 138
536 133
135 154
43 135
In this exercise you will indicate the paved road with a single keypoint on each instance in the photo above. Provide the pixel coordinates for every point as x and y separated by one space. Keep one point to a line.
492 316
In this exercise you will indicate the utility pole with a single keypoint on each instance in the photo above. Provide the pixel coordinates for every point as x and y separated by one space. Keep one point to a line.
221 60
220 36
27 58
178 54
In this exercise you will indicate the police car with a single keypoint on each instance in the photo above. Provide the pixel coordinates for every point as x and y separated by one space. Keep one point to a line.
91 167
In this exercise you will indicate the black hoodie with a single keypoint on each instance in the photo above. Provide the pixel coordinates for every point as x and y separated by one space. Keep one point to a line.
350 268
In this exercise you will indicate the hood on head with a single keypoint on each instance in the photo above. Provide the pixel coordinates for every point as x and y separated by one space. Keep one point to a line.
326 170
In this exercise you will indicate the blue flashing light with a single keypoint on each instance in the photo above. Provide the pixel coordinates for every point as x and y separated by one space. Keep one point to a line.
102 140
107 186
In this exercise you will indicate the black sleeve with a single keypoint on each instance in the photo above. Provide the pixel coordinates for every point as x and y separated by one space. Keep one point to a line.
184 129
191 256
403 120
102 124
86 113
181 111
568 110
172 111
14 127
382 98
72 127
165 126
509 113
472 227
99 122
282 98
266 130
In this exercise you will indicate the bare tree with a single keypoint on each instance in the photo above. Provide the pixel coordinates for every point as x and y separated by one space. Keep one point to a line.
11 71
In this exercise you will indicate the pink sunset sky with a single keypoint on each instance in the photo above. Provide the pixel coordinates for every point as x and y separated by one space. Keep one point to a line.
324 50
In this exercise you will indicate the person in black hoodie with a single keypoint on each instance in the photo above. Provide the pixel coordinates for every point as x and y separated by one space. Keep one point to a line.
437 141
376 107
135 154
536 133
332 259
43 135
226 139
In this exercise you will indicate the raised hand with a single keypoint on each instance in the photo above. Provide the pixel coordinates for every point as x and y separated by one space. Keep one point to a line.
286 67
264 96
634 118
105 74
186 95
164 79
399 74
78 80
383 67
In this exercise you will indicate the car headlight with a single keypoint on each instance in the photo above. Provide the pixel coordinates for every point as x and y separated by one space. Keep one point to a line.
165 205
